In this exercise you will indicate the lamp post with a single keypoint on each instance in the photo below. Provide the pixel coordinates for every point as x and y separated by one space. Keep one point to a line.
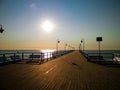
99 39
82 41
65 47
69 47
57 46
1 29
79 47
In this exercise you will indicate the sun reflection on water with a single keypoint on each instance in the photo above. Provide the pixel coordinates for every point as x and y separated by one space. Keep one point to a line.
48 53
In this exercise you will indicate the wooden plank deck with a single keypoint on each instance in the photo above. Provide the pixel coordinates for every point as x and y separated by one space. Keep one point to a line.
68 72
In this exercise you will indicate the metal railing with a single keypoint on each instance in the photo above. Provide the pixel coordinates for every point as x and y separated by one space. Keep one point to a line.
7 58
100 57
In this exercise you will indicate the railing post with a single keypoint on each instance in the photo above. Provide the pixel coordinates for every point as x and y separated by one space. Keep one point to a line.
51 55
32 55
14 57
113 55
4 58
22 56
47 56
42 57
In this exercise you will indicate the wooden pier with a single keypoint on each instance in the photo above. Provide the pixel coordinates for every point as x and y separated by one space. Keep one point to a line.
68 72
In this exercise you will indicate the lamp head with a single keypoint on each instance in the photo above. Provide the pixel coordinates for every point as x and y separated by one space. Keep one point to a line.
1 30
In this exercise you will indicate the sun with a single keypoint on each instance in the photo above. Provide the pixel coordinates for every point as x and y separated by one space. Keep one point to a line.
47 26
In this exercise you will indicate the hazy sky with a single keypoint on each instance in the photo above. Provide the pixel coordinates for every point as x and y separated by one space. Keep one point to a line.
72 20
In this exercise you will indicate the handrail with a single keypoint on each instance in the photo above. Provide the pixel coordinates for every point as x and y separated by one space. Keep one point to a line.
18 56
102 55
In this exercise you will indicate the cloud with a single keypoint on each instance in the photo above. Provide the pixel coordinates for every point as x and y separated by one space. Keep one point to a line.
33 6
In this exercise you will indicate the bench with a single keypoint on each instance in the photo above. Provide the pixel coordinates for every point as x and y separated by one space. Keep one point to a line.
95 58
15 57
34 56
2 59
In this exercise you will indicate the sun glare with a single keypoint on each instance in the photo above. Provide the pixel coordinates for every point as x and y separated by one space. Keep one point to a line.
47 26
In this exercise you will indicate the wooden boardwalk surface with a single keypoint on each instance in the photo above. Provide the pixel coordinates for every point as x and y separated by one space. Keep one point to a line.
68 72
